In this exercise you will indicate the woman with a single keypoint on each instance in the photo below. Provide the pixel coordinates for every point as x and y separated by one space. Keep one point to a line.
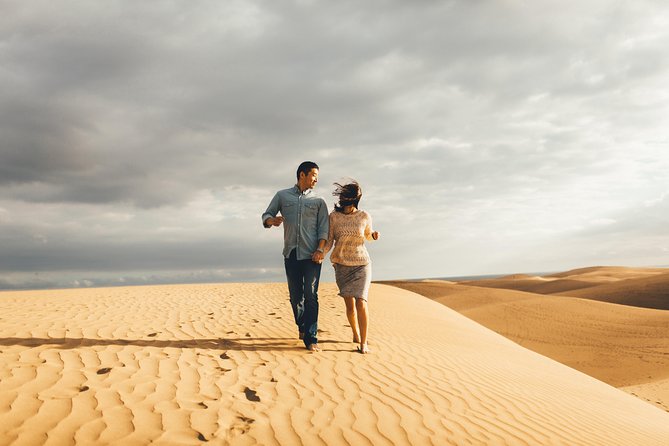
349 227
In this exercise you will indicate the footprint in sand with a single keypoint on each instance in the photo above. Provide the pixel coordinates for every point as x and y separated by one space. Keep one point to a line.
224 356
251 395
104 371
241 428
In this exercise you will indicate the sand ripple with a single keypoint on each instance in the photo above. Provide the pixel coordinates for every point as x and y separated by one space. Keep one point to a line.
221 364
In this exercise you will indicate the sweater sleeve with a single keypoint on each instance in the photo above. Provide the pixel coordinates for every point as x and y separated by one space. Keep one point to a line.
368 227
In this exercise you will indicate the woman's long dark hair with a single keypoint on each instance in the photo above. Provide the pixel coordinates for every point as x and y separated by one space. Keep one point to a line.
348 194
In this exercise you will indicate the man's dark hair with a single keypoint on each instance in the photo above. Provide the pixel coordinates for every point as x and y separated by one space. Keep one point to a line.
306 167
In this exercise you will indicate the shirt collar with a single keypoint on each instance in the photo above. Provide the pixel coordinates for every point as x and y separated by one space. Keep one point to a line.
296 188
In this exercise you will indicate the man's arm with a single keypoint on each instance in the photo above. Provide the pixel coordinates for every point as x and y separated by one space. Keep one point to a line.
330 240
323 225
319 255
323 221
269 218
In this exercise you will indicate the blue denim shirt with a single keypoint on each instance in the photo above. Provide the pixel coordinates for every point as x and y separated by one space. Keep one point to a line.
305 220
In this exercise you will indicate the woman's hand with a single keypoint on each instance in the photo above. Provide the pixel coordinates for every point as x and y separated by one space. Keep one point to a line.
376 235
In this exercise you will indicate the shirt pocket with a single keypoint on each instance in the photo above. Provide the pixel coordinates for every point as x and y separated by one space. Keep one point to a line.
310 215
311 210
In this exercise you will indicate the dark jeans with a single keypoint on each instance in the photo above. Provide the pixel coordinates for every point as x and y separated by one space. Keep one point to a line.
303 277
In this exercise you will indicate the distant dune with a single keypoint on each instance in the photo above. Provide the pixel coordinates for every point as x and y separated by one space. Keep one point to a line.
649 292
222 365
609 273
625 346
531 284
640 287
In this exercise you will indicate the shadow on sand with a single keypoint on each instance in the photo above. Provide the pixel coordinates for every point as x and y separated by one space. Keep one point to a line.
245 343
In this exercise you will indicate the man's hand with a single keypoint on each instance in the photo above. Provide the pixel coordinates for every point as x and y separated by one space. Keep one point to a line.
274 221
317 257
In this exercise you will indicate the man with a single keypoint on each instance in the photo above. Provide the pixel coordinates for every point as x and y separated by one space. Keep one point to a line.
305 231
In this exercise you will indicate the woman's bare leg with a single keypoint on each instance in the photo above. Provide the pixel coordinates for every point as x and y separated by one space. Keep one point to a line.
363 322
351 316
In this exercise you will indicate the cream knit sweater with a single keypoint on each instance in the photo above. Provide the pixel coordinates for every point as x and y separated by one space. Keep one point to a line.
347 234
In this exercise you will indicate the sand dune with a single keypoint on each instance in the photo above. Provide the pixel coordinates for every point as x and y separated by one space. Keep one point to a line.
537 285
602 274
220 364
623 346
643 287
648 292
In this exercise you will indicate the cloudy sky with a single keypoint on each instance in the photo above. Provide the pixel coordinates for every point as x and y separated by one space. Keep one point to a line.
141 141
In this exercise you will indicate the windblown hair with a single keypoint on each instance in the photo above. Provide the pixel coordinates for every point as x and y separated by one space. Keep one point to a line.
306 167
348 194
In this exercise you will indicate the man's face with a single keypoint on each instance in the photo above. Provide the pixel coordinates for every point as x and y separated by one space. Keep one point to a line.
309 180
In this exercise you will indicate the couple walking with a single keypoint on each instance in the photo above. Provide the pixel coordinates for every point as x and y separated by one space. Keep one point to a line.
308 234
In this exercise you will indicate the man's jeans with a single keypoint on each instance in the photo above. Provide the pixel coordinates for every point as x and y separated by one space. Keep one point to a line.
303 277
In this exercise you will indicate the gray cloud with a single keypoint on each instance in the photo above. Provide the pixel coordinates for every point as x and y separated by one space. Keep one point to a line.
151 136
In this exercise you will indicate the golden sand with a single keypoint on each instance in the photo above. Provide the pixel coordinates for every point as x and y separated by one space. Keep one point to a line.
221 364
626 346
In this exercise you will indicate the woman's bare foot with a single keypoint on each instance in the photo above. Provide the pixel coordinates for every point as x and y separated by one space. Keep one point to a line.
313 348
364 349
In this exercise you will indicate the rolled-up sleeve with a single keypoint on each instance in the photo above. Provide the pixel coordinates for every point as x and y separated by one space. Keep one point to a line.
272 210
330 240
323 220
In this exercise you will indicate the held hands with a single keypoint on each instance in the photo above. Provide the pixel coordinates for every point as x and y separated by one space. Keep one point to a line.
274 221
317 257
376 235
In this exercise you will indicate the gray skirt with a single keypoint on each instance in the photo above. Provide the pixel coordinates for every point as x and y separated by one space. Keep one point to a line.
353 281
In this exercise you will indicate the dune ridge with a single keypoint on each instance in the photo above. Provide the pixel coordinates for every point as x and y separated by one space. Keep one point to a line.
626 346
647 292
221 364
640 287
610 273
